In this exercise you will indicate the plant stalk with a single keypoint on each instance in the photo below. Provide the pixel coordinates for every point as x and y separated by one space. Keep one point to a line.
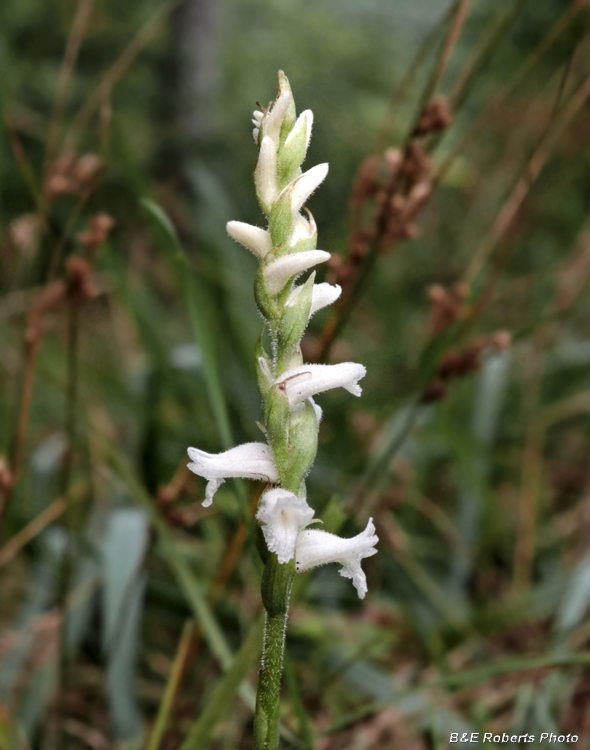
277 580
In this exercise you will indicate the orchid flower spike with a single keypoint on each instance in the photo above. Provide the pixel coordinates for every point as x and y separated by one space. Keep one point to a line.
299 383
316 548
248 461
282 515
286 247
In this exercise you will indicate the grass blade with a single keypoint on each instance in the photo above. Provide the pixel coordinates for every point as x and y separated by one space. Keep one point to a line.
217 704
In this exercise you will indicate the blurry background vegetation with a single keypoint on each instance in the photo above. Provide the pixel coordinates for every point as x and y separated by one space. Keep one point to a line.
127 331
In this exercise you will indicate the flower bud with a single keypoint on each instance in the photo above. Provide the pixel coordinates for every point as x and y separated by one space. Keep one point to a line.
265 175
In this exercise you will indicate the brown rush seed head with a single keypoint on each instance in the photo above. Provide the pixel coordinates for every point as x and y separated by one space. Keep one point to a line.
436 116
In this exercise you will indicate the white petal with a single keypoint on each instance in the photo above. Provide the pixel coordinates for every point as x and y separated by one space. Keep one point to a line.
302 229
265 173
274 119
282 515
212 486
304 381
249 461
319 548
265 369
257 240
318 411
323 295
255 134
279 271
304 186
257 117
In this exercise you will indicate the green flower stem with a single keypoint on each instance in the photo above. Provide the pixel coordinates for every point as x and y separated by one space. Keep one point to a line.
276 589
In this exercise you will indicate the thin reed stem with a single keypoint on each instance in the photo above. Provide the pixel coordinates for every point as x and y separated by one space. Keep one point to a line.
342 311
546 43
524 184
116 70
74 44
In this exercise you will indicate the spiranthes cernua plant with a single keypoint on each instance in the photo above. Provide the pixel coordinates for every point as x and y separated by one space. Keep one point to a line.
286 248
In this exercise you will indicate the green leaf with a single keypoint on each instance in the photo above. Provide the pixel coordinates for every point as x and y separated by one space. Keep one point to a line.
124 585
192 293
298 707
218 702
187 580
576 598
123 550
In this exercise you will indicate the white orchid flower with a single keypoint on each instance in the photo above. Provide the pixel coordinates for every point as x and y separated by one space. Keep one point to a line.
279 271
282 515
301 188
315 547
247 461
322 295
302 228
304 381
256 239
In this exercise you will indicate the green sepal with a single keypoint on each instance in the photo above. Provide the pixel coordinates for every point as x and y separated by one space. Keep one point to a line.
302 446
287 174
291 114
293 437
290 157
266 304
276 585
280 221
260 353
277 413
266 208
307 243
294 321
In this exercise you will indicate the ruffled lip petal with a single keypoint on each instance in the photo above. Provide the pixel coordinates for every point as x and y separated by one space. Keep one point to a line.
324 294
315 547
282 515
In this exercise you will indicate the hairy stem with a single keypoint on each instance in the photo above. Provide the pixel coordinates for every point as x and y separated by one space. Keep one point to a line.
276 589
